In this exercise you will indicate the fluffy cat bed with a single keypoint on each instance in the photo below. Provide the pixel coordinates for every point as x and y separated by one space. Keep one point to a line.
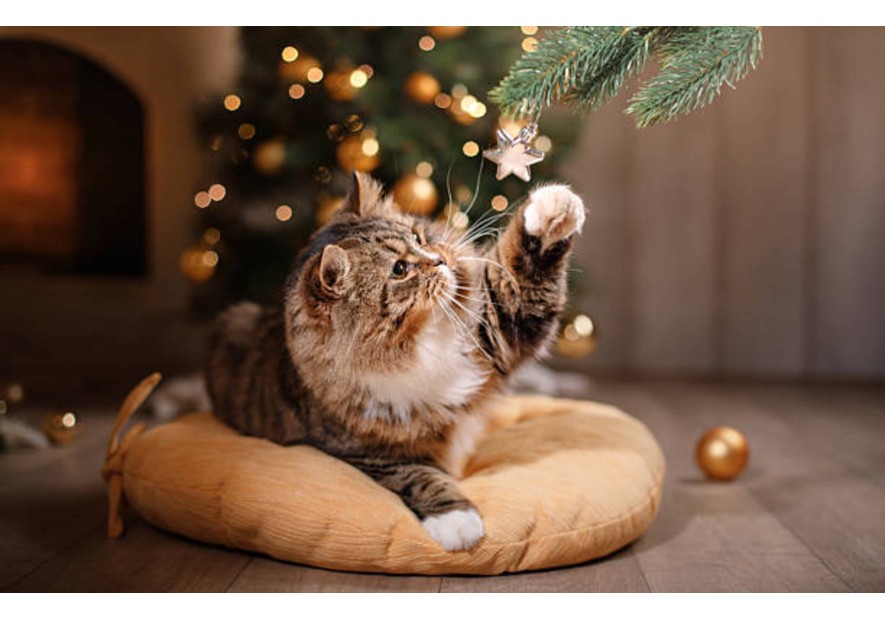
557 482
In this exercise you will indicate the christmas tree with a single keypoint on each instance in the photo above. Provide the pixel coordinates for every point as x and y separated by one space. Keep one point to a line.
407 104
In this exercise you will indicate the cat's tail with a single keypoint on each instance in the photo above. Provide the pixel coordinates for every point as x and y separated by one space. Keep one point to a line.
180 395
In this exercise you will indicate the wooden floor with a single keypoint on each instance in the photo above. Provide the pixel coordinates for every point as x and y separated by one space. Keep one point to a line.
807 515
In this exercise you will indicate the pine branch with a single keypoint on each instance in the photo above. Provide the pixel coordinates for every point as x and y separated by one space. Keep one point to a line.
587 66
695 64
583 65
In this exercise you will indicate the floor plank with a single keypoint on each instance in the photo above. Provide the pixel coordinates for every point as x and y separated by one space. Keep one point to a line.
266 575
846 424
143 560
50 499
812 476
618 572
712 537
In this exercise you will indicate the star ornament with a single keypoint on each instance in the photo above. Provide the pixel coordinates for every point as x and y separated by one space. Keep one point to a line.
515 155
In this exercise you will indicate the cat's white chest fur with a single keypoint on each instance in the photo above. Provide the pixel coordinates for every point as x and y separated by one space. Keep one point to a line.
442 374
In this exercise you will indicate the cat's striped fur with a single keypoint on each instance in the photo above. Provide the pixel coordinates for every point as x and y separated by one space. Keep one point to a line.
394 334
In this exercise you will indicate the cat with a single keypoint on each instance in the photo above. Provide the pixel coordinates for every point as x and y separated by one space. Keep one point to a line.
394 333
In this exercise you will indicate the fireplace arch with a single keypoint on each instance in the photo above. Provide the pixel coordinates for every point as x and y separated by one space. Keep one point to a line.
72 164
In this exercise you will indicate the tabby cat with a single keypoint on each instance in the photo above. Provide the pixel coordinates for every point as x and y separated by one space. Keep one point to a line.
393 334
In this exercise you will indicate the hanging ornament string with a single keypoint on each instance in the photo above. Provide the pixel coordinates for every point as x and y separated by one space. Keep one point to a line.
515 155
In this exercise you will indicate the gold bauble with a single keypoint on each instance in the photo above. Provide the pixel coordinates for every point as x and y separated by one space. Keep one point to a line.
352 156
578 337
198 263
414 194
296 71
61 428
268 158
446 32
422 87
339 86
722 453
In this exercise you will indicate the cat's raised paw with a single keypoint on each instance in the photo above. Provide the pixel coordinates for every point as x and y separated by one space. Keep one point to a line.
554 213
455 530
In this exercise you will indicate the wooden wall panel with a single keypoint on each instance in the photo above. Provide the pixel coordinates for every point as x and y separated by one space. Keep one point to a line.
672 215
747 239
602 175
849 335
763 191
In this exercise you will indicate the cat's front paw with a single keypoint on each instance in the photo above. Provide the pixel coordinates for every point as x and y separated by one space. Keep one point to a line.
455 530
554 212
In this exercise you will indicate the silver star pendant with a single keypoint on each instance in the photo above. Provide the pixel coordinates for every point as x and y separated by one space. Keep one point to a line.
515 155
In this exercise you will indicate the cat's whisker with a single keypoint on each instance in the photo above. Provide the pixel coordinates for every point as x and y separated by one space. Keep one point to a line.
448 230
482 321
471 313
460 326
478 185
483 260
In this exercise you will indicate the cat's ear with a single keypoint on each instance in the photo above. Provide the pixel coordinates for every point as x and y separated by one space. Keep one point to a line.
366 197
333 268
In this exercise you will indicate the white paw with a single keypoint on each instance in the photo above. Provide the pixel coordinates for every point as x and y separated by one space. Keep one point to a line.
455 530
554 212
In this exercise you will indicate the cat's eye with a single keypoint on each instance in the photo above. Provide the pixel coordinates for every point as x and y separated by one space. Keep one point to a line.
417 238
400 268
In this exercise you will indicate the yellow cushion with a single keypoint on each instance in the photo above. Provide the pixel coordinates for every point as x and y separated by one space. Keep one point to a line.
557 482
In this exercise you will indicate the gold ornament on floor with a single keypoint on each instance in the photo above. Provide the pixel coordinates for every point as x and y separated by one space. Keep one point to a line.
578 337
198 263
61 428
422 87
357 153
414 194
722 453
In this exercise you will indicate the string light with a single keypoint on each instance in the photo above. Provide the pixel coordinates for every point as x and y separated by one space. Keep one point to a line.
284 213
499 202
296 91
529 44
246 131
426 43
460 220
289 53
543 144
424 169
358 78
231 103
368 70
212 236
202 199
459 91
216 143
210 258
217 192
529 30
470 148
583 325
442 101
370 147
314 74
